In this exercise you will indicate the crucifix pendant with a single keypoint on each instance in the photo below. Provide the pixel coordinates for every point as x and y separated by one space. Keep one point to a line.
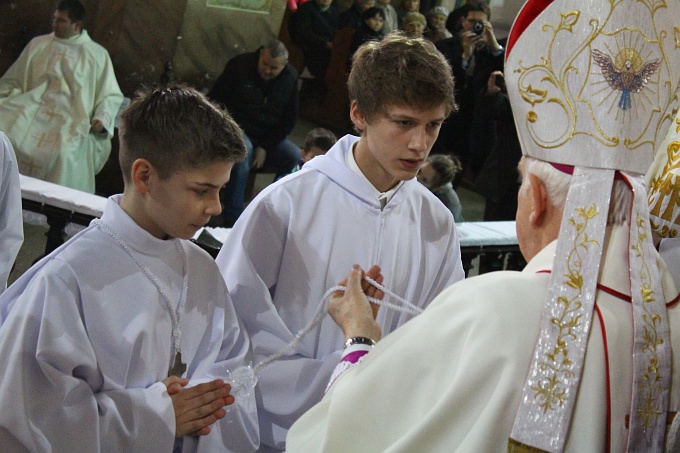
178 368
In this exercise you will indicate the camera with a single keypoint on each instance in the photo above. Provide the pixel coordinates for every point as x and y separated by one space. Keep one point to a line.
478 27
500 81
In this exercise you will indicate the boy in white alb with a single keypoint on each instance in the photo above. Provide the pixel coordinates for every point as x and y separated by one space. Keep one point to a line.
11 222
87 336
291 243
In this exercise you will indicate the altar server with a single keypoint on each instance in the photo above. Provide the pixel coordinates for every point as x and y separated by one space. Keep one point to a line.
121 339
358 203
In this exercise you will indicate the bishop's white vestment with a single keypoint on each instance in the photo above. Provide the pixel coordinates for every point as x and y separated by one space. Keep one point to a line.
669 248
86 339
451 380
11 221
48 99
299 238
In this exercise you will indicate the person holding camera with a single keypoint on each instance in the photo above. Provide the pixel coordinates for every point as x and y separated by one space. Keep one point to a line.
473 53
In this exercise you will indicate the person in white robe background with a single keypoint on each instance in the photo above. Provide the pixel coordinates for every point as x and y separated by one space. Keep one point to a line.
88 335
59 101
11 221
360 202
457 378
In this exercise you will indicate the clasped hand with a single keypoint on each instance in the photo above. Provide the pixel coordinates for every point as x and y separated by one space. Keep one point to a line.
198 407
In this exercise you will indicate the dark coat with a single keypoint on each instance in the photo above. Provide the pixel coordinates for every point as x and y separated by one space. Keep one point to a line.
265 110
315 28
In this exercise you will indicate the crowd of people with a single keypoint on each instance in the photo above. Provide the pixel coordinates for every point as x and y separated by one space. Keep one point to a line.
131 338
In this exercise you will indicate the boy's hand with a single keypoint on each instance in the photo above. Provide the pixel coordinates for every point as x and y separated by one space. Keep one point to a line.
350 309
198 407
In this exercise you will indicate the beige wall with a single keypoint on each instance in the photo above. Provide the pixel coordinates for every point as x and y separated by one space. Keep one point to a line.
210 36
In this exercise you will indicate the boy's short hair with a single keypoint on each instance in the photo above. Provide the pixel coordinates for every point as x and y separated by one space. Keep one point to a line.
75 9
320 138
177 128
400 71
372 12
445 168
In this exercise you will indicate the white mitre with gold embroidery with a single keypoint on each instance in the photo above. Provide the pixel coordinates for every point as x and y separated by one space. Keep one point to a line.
593 85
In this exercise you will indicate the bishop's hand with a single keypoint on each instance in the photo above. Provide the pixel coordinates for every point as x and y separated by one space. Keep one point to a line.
351 310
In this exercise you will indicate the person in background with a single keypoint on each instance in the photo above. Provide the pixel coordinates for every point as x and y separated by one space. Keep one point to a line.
371 29
11 220
473 54
312 28
498 180
414 25
437 174
405 7
436 24
317 142
391 19
59 101
260 90
352 18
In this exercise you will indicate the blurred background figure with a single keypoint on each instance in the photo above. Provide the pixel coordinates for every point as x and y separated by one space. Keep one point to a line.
499 181
436 24
59 101
391 19
437 174
414 25
317 142
312 28
352 18
259 89
370 29
407 6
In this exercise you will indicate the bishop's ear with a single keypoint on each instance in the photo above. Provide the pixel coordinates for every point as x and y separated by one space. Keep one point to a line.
142 175
539 199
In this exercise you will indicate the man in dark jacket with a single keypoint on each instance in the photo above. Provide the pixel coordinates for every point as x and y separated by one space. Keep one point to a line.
260 91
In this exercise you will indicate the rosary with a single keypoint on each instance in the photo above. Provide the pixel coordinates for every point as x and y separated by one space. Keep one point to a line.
178 367
244 378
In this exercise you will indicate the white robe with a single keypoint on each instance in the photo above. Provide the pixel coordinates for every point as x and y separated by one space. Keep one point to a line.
86 340
669 248
299 238
11 222
451 380
49 97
